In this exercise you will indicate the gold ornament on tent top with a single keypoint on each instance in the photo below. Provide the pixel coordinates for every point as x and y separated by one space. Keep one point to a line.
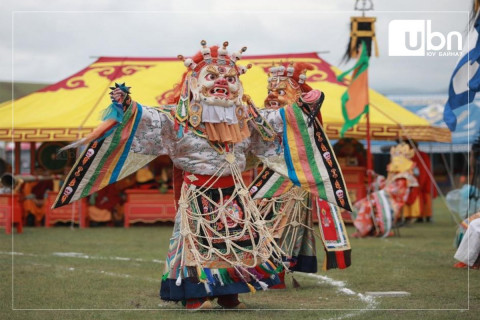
362 29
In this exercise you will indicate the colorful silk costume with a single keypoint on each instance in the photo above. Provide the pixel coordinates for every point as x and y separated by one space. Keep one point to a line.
220 244
380 210
291 210
419 202
468 251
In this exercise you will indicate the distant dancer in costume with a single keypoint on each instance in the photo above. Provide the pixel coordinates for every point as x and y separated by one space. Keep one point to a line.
376 214
419 203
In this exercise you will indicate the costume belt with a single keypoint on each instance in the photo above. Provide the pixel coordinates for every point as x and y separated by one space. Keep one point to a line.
200 180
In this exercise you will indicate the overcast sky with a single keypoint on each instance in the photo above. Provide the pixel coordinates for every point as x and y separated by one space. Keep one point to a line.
46 41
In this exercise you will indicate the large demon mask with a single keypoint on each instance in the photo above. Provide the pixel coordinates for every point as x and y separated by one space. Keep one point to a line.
217 85
212 94
286 83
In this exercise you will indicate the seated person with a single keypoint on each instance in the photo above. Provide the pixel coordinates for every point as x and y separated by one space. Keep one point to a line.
350 152
34 194
145 179
104 203
6 184
468 252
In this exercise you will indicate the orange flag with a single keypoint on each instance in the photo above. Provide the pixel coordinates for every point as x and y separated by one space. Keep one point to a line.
355 99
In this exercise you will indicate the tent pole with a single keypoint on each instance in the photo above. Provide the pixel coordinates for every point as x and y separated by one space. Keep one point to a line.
449 171
18 152
451 159
369 145
432 170
32 157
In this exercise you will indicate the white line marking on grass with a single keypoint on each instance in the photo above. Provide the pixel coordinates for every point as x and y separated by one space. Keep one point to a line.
347 291
121 275
102 272
71 255
158 261
81 256
396 243
121 258
15 253
340 285
388 293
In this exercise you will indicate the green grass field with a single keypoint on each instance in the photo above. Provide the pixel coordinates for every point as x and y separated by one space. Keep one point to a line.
114 273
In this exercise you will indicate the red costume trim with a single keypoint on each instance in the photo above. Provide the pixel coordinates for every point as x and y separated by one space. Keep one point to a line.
215 182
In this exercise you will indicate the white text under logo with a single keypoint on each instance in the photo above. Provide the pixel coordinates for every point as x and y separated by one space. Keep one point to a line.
416 38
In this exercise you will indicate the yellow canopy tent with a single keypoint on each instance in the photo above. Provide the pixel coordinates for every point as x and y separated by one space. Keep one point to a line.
69 109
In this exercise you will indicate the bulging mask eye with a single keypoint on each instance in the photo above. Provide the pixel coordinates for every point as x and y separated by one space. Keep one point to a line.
281 92
211 76
231 80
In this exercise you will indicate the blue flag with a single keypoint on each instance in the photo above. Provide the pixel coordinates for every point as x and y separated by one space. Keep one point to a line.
465 81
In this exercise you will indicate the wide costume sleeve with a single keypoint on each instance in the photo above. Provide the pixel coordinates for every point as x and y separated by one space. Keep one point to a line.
142 134
305 159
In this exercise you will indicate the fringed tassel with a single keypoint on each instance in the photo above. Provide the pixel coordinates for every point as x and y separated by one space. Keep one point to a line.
252 288
224 275
263 285
279 269
178 283
218 277
165 276
207 288
209 275
203 276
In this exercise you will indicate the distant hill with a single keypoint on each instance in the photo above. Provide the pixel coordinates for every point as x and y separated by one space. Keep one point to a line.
20 89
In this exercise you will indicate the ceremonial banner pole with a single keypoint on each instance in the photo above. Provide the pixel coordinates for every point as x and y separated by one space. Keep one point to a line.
369 145
362 34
